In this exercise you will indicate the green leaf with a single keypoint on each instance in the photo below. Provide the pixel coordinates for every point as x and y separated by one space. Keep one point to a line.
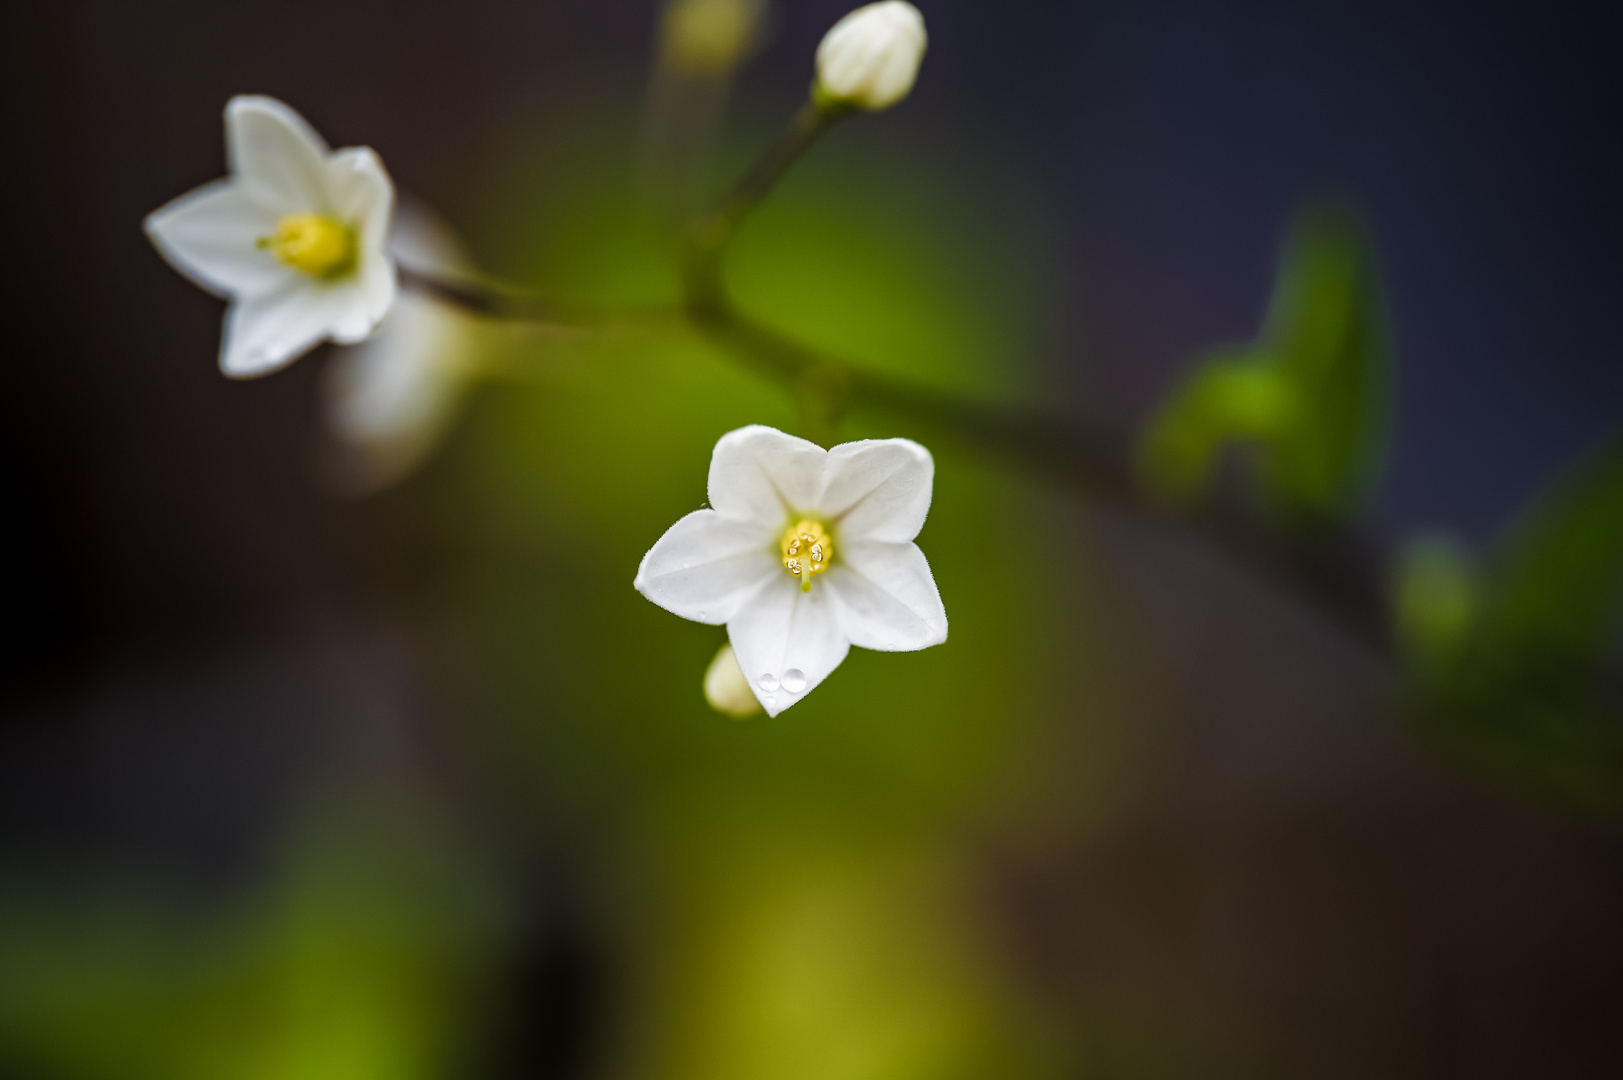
1311 393
1524 692
1231 396
1561 571
1327 328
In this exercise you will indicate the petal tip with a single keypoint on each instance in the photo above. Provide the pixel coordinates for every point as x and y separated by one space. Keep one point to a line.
260 103
240 131
243 366
248 373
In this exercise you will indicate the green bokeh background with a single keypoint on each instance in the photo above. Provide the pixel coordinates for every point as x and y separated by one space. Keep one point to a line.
796 897
800 892
836 893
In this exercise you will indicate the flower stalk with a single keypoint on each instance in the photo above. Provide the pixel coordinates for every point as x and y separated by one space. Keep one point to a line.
1336 569
709 236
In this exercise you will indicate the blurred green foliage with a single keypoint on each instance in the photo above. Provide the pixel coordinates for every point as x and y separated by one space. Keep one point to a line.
1310 394
793 887
1519 665
790 899
1561 576
1436 604
785 899
361 959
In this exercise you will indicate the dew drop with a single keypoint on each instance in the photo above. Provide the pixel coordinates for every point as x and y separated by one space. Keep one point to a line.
771 701
794 680
769 682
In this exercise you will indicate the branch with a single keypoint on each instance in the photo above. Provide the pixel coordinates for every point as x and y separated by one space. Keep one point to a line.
1338 570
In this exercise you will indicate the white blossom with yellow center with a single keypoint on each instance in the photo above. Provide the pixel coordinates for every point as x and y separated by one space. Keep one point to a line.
804 553
295 237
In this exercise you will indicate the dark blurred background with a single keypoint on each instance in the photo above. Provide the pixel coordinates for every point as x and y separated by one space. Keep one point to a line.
1211 850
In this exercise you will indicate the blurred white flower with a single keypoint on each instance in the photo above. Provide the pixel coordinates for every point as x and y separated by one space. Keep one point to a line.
392 396
295 237
806 552
870 59
726 688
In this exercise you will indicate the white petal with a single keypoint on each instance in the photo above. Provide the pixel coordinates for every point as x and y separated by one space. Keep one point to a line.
782 631
363 197
707 566
887 597
368 296
276 156
264 333
878 490
761 473
211 235
399 385
361 193
393 395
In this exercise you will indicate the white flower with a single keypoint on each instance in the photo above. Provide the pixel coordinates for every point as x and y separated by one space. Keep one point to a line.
295 237
393 395
726 689
805 553
871 57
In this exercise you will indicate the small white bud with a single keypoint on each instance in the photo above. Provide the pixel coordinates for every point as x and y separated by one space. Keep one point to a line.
871 57
726 689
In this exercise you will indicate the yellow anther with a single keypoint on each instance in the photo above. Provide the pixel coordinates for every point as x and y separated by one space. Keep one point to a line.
317 245
807 551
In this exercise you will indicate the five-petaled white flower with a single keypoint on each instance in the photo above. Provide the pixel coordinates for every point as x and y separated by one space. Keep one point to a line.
295 237
805 553
871 58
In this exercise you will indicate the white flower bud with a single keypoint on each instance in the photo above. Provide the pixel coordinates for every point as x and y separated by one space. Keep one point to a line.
726 689
871 57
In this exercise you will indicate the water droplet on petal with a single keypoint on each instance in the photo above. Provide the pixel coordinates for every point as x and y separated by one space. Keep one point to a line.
769 682
794 680
771 701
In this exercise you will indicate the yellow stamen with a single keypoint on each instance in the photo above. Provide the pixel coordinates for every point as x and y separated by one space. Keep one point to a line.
317 245
807 551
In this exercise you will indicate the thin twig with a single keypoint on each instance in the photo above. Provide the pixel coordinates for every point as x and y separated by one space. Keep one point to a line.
492 299
1338 570
1341 571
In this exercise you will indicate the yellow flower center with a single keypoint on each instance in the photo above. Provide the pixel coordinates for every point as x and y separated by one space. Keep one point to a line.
807 550
317 245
